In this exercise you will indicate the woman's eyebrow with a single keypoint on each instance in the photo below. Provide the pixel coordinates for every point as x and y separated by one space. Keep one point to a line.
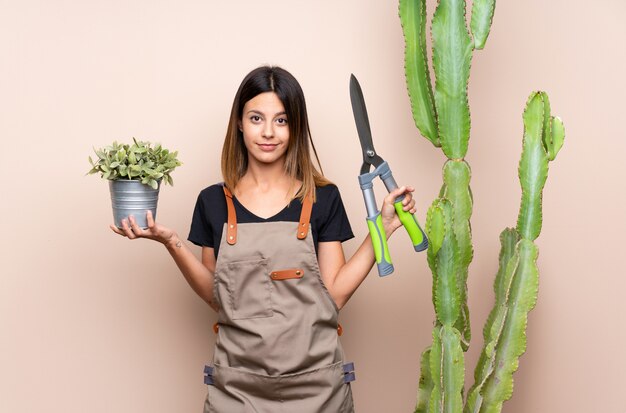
262 114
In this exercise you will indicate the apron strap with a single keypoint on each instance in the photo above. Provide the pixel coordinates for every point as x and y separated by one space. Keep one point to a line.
231 231
305 217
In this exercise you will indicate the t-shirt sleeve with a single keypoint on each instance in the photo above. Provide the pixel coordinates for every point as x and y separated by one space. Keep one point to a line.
201 232
335 226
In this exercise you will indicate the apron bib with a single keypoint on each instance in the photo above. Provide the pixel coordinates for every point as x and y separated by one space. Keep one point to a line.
277 347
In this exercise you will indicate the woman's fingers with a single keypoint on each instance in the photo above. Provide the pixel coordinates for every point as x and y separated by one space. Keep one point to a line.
150 219
137 231
116 230
132 230
391 197
126 229
407 201
408 198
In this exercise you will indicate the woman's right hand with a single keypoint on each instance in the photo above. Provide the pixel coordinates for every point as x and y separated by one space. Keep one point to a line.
155 231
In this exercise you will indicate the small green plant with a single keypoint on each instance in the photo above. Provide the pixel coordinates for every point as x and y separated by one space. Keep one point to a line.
139 161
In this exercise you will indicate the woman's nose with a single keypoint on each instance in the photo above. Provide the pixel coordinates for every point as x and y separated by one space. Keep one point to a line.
268 130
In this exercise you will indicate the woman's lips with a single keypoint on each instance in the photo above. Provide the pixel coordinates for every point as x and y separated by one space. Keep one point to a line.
266 147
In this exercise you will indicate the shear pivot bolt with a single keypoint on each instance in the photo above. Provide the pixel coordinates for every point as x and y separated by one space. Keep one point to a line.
371 153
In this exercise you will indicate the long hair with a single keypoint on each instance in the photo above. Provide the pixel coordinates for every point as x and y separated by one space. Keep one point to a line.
298 162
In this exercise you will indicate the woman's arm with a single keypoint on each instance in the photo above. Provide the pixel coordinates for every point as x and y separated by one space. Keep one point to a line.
198 274
342 278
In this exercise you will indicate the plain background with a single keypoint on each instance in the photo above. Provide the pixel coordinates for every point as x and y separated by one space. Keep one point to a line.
93 322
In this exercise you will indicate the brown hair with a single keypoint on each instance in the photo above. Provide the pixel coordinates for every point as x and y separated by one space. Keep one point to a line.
298 162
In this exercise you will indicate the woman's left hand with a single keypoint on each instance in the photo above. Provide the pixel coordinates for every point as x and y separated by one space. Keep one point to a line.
391 221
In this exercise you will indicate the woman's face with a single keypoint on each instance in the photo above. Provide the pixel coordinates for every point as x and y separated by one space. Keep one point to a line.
265 129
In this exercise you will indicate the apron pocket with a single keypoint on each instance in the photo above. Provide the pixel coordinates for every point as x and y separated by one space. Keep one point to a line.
249 289
319 390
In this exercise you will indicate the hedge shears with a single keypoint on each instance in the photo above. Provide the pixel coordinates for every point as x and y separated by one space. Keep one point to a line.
366 178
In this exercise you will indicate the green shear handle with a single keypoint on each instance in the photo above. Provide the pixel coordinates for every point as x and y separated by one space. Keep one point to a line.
379 242
375 223
409 221
417 235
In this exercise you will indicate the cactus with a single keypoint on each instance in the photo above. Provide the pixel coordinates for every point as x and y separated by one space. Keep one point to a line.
517 279
443 118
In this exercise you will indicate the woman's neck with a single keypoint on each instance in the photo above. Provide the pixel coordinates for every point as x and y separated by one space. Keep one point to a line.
266 189
267 179
265 176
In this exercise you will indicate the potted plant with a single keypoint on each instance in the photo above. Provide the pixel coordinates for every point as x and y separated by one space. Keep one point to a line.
135 173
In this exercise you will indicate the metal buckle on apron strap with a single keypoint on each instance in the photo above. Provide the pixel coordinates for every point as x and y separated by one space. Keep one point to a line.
208 375
348 373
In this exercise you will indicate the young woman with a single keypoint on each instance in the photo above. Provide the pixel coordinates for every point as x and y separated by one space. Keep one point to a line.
272 262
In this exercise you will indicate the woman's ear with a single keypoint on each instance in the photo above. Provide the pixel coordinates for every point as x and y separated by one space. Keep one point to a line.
239 125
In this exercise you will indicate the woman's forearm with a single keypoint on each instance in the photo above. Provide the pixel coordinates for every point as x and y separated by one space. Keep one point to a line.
199 277
353 272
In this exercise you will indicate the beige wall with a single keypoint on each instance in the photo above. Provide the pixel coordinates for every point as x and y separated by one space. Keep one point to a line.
91 322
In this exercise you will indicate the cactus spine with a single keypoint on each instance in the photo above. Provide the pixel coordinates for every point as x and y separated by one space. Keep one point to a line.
443 118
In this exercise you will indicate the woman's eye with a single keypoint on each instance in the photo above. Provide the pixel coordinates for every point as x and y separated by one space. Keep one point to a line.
281 121
255 118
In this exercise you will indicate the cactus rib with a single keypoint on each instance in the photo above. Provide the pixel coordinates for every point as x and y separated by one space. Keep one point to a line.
509 260
446 287
425 384
533 166
498 387
482 17
452 53
448 370
456 178
413 20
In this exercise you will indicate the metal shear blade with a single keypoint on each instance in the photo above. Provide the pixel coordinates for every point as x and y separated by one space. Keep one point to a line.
363 126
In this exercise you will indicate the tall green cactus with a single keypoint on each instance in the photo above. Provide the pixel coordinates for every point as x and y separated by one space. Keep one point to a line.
443 118
517 279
